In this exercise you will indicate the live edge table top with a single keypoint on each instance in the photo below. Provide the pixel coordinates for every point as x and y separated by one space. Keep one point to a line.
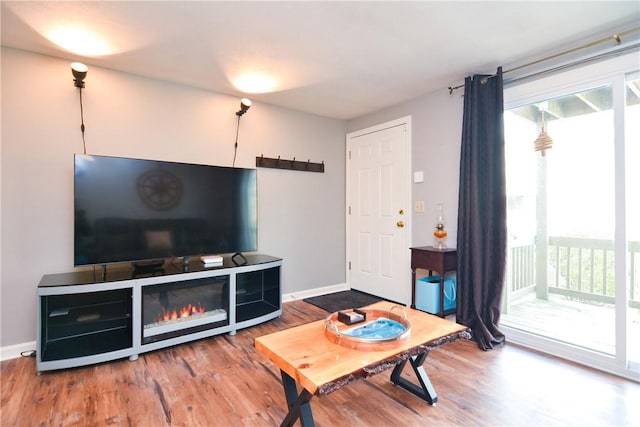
320 366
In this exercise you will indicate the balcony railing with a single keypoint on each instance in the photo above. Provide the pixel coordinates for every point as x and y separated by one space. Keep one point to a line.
580 269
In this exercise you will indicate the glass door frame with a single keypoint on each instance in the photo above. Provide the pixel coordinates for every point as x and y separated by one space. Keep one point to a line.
610 72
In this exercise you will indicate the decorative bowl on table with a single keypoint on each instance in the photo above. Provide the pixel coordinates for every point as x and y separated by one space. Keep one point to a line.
379 330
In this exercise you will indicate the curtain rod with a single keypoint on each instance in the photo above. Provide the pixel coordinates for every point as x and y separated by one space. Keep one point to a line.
616 37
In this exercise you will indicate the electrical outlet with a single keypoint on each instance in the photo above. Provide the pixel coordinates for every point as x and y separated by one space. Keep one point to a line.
419 206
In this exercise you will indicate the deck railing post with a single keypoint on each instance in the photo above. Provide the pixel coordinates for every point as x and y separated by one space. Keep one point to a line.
542 239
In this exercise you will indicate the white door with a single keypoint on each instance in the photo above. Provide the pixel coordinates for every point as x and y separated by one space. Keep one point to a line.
379 211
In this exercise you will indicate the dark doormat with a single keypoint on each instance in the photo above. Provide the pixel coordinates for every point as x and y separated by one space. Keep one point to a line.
343 300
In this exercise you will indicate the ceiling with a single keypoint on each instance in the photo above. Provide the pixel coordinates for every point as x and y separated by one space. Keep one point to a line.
335 59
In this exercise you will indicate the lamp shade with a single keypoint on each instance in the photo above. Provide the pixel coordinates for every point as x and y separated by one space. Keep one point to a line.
245 103
79 71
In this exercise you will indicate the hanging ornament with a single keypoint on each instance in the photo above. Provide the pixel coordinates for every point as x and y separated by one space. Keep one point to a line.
543 141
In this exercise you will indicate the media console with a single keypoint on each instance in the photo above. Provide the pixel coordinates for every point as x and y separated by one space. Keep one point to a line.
88 317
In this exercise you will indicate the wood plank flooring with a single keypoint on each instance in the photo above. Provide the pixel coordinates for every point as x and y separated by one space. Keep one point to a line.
223 381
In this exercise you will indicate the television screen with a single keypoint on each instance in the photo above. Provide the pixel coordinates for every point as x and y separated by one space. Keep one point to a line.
129 210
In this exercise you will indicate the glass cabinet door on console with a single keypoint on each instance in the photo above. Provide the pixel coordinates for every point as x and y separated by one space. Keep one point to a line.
178 308
76 325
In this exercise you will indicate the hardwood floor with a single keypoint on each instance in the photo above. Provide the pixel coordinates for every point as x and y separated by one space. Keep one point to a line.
222 381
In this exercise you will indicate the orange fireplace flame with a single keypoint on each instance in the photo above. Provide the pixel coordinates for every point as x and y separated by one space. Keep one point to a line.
182 312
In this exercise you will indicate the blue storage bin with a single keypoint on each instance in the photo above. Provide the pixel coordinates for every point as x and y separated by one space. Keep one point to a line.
428 294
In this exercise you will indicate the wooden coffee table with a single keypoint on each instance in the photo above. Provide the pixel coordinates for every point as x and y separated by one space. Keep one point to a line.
307 357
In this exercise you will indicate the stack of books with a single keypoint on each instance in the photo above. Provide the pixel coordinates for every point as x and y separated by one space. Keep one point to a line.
211 260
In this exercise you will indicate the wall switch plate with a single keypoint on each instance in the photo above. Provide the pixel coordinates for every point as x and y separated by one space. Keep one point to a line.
419 206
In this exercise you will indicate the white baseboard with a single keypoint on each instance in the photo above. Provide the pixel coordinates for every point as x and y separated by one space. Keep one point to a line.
15 351
308 293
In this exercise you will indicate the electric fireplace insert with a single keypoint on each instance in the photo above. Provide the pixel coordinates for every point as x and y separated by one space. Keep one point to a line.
173 309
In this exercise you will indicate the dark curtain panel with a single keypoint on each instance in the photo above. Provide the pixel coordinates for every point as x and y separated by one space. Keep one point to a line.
482 211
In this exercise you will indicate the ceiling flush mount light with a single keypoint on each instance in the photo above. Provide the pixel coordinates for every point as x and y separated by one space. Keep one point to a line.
255 83
245 104
79 71
79 41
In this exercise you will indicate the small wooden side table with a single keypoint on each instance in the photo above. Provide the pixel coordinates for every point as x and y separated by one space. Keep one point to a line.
439 260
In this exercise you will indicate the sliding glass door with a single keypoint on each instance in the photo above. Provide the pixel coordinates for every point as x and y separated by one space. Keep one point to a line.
632 198
572 161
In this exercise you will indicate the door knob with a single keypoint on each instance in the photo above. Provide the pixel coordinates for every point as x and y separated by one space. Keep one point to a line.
400 224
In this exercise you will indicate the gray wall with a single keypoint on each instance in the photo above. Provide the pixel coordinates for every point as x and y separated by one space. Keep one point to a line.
436 121
300 215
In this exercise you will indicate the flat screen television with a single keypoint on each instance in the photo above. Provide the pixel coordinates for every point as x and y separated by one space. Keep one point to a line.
135 210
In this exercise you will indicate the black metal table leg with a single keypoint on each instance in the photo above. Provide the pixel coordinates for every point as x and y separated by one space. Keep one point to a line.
298 405
425 390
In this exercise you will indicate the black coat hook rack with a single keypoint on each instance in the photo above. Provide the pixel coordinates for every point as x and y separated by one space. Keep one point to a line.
296 165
